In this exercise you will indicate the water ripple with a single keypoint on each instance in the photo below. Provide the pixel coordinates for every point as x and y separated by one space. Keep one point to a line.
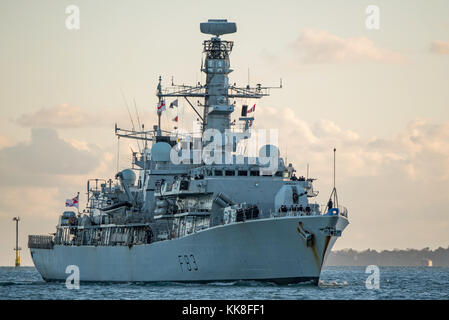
335 283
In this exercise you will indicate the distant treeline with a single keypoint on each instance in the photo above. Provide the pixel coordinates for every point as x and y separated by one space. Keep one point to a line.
396 257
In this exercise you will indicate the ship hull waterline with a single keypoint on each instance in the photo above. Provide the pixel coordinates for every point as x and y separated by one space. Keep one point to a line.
261 250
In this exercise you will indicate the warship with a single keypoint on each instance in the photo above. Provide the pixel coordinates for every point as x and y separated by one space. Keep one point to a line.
194 209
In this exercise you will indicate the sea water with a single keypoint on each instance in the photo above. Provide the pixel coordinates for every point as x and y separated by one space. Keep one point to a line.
335 283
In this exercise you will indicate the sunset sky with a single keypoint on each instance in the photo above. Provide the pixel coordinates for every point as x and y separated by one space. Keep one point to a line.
381 97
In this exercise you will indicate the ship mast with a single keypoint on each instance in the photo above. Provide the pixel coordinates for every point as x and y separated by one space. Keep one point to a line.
217 110
159 112
217 91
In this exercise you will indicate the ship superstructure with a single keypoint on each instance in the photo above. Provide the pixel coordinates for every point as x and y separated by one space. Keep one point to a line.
197 210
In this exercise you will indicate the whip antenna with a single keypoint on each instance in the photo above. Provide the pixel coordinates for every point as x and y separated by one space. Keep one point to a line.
130 116
334 166
333 195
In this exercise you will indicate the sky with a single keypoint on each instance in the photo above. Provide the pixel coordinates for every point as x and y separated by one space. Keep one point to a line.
380 96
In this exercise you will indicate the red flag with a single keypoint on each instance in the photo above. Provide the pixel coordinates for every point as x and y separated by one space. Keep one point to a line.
175 119
72 202
252 109
161 106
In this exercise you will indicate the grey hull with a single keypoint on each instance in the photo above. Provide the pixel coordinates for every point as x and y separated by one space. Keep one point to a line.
263 250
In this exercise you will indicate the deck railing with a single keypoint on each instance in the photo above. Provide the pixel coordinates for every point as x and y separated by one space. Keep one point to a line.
341 210
40 242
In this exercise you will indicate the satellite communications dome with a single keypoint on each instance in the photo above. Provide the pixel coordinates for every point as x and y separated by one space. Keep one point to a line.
160 152
217 27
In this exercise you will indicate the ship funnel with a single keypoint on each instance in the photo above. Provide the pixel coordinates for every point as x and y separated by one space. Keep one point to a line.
218 27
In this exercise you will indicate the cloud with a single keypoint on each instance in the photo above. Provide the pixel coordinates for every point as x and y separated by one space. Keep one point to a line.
46 154
418 152
439 47
38 175
398 182
66 116
319 46
4 142
31 201
60 116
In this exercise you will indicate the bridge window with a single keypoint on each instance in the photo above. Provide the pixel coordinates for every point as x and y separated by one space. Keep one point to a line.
230 173
243 173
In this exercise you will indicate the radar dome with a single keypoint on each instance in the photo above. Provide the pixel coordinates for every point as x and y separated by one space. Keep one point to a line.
269 151
129 177
160 152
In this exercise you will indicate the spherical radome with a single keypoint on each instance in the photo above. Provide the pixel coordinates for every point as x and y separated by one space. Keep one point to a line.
160 152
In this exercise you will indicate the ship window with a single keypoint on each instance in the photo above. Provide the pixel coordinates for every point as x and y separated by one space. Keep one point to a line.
254 173
218 173
243 173
230 172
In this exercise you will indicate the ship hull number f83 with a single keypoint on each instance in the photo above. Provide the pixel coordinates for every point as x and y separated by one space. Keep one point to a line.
187 263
